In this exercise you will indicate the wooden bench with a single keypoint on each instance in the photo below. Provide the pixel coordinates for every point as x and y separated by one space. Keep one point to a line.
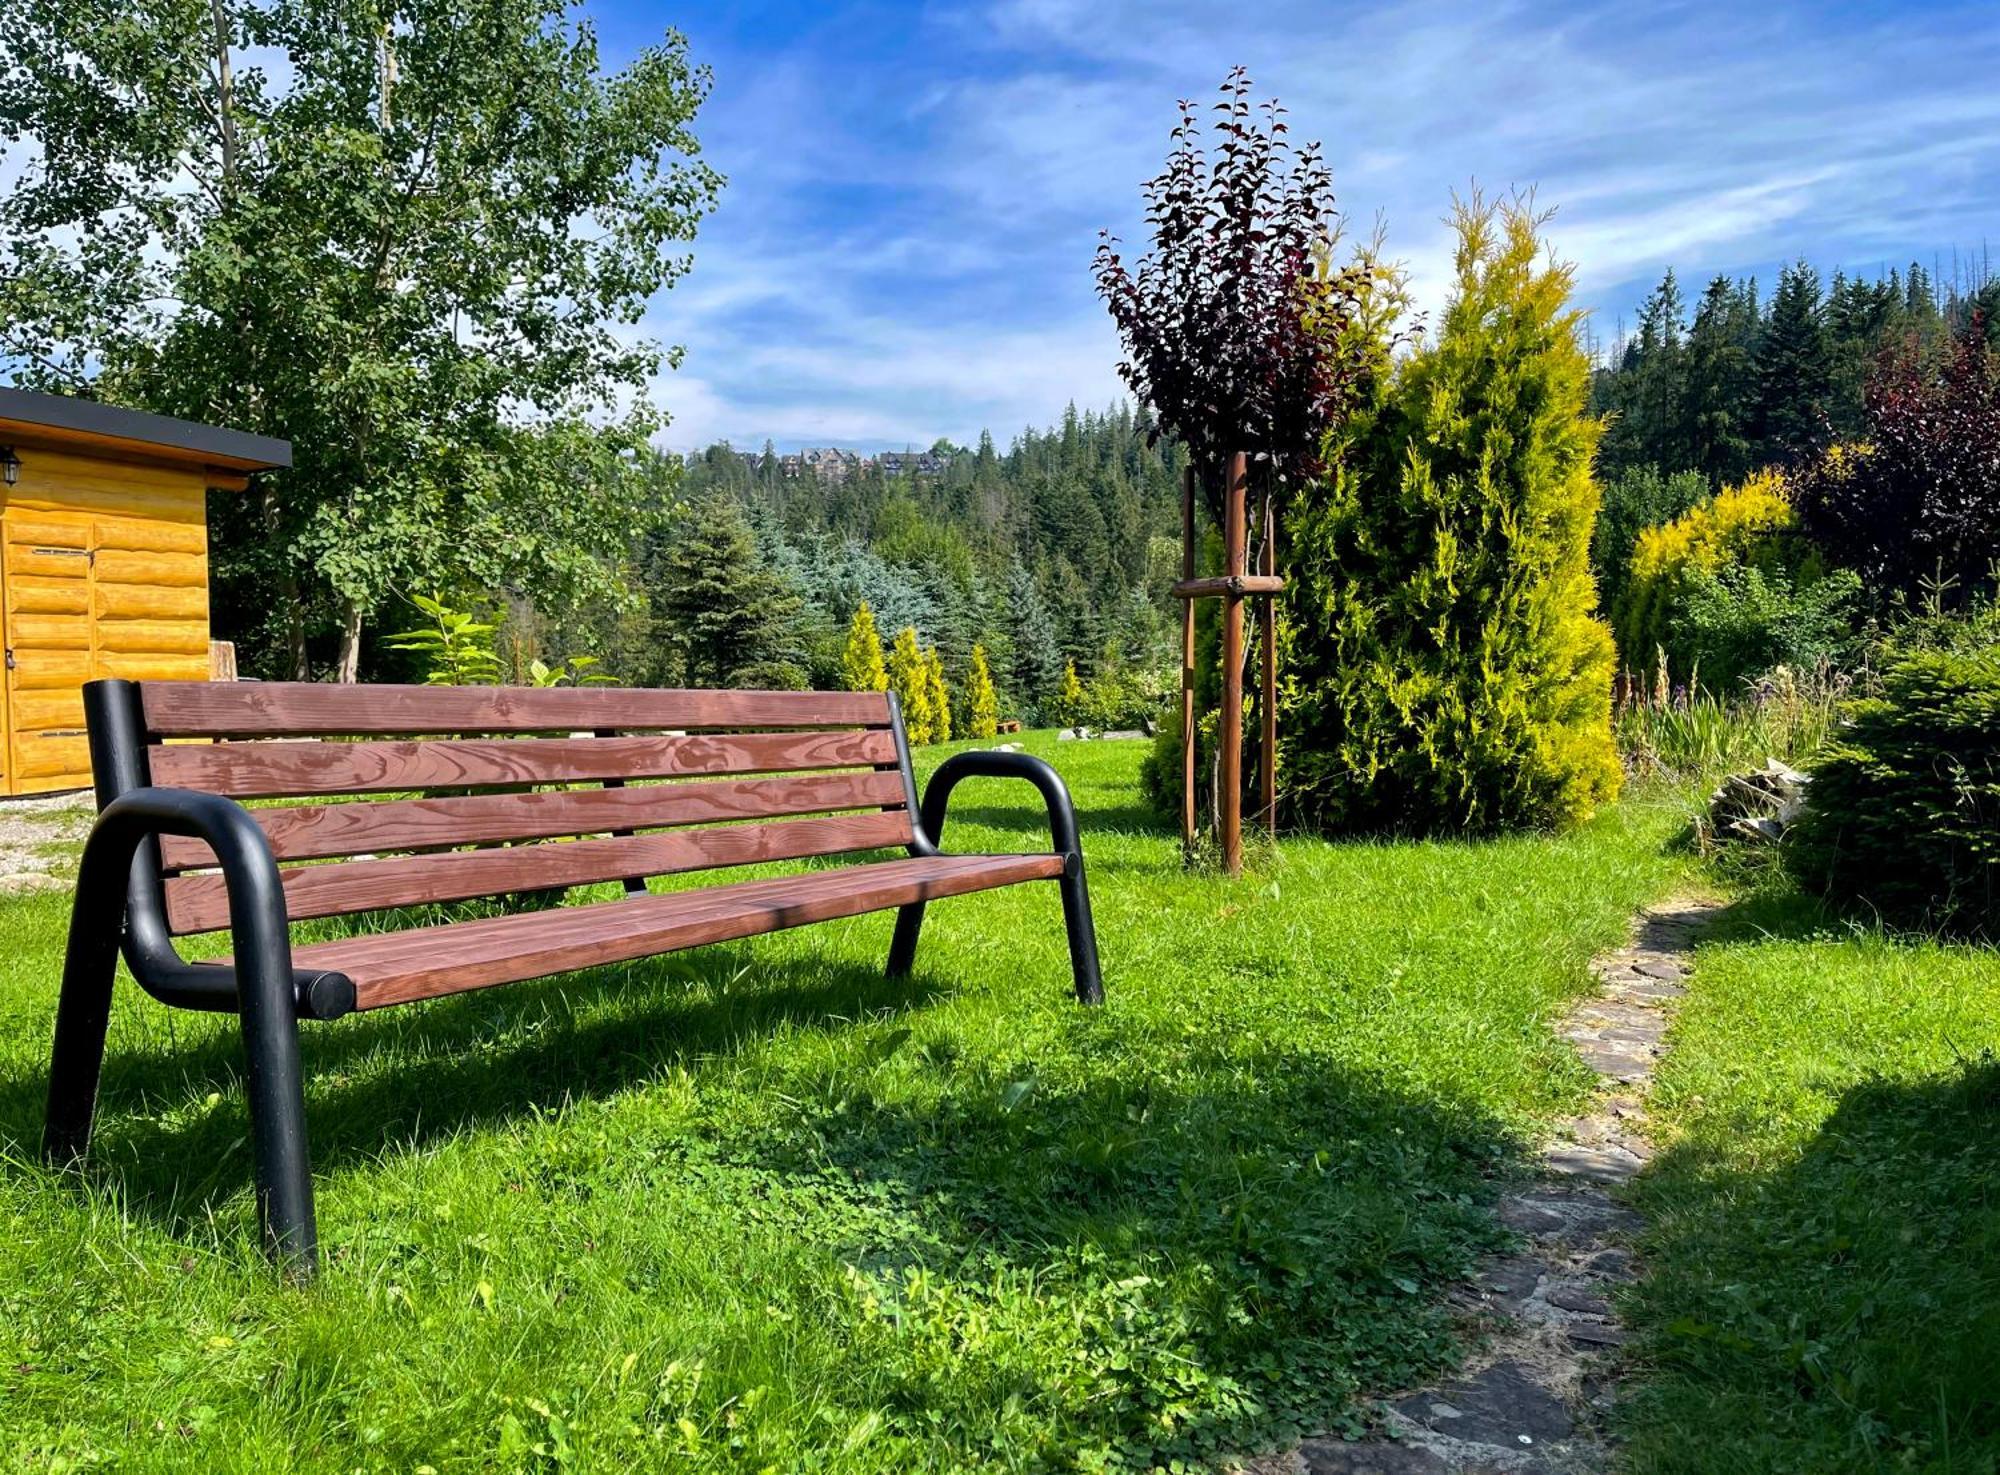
532 791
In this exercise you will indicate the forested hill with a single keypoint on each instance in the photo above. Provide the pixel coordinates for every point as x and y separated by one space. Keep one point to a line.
1058 549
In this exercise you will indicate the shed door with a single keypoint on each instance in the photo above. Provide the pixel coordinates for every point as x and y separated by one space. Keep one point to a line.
90 597
49 650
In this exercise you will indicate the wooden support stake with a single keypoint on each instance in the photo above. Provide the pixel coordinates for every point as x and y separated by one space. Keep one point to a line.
1267 637
1187 665
1229 796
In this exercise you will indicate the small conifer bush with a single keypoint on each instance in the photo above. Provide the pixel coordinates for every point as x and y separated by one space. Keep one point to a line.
910 680
861 665
982 701
1445 670
1904 815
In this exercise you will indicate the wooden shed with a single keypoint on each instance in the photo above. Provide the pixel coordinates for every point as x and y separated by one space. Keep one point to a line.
103 563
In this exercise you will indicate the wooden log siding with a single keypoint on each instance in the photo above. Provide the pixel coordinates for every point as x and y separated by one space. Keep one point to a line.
200 903
294 769
313 709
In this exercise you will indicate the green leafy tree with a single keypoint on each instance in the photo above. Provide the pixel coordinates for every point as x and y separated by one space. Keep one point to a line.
861 664
731 619
456 646
940 696
412 248
910 680
1445 670
982 702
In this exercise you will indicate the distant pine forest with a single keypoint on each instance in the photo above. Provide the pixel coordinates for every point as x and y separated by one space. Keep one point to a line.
1056 554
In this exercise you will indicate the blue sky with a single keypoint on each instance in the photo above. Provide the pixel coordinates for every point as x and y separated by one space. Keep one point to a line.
903 248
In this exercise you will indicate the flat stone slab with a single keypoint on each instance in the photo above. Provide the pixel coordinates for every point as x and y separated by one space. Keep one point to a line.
1370 1457
1598 1164
1578 1298
1504 1406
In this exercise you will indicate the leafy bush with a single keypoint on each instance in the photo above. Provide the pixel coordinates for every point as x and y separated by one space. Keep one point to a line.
1905 812
1736 625
1443 668
1740 525
1918 503
1635 499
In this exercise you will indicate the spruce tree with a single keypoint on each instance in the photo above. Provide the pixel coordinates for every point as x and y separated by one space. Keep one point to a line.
1719 384
861 664
982 702
1794 383
716 603
910 680
1445 670
1038 661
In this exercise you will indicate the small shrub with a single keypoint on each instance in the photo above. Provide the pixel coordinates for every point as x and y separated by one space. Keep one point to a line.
982 702
1905 811
1738 624
1635 499
910 680
1738 526
861 665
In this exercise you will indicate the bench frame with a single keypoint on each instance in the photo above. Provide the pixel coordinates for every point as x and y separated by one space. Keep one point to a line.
120 908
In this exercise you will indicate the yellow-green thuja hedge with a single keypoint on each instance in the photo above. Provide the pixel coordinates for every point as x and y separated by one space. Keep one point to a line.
1444 667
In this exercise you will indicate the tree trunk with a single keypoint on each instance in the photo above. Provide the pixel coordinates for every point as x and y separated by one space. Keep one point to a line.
349 670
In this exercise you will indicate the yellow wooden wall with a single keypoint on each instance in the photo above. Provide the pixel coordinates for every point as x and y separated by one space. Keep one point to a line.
103 572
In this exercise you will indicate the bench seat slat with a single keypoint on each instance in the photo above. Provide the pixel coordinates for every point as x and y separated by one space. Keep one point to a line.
315 709
321 831
201 903
397 967
291 769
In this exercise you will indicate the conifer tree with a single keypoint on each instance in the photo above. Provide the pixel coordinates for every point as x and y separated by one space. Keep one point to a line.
940 695
1445 670
982 702
861 664
1794 382
1069 699
1037 652
729 615
909 679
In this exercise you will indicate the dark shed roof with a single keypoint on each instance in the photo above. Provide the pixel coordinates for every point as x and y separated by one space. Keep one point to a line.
24 412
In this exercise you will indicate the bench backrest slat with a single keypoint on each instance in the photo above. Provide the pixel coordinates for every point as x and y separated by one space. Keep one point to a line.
414 794
321 831
295 769
313 709
201 904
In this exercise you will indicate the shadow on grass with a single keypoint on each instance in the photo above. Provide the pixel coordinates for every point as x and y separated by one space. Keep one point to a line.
1259 1230
426 1074
1842 1312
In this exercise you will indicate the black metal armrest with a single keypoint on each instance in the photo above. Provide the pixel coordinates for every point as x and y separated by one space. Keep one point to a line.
107 893
990 764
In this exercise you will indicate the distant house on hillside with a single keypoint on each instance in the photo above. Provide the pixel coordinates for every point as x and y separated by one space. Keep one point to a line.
830 463
919 463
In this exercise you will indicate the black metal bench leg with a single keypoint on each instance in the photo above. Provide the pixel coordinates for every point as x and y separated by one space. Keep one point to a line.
83 1014
276 1095
1082 932
903 946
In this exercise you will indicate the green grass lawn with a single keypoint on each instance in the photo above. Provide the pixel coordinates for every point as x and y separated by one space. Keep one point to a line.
1824 1287
757 1208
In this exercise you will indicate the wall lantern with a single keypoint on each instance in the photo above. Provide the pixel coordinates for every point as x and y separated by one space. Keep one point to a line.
10 465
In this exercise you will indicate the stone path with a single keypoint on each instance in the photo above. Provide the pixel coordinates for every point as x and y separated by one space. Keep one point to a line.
34 855
1532 1401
